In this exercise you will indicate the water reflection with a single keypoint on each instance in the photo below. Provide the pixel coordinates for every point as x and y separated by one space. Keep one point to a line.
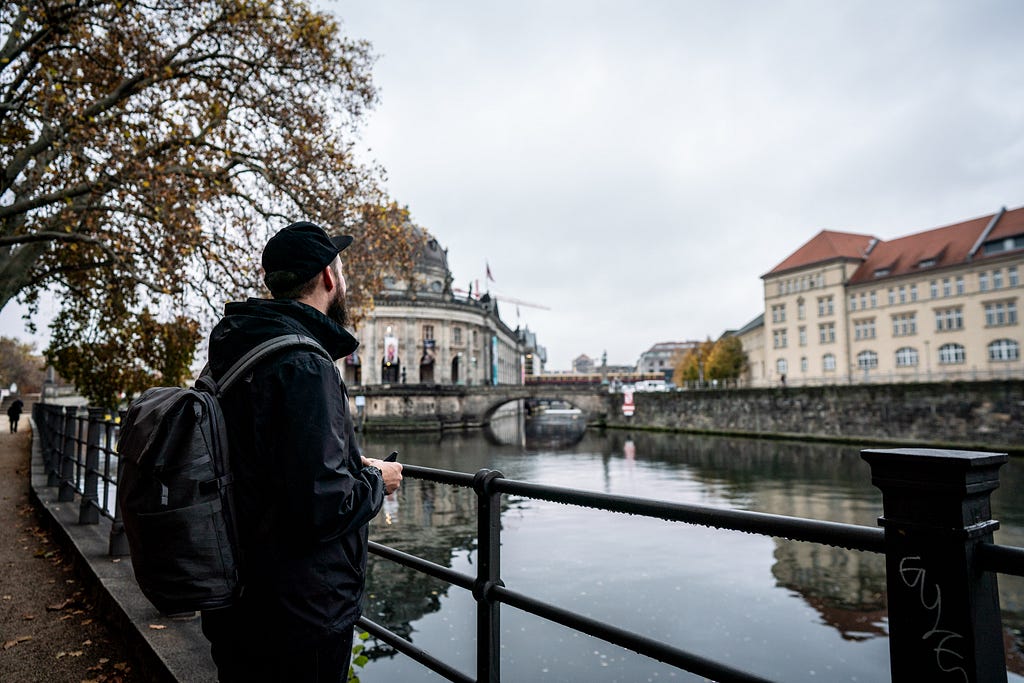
799 609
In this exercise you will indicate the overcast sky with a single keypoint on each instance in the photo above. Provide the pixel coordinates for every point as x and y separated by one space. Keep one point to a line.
637 166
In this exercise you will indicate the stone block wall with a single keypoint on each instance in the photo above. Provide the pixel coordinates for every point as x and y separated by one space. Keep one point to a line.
967 414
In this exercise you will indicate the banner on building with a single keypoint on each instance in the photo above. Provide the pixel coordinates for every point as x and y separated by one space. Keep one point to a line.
390 350
494 359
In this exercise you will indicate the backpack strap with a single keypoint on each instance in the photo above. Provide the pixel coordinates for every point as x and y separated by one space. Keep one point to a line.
258 353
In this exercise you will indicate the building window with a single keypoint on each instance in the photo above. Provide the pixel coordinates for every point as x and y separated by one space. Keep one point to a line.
1003 349
428 331
780 366
959 284
874 299
903 294
997 279
779 338
825 306
946 289
456 335
892 296
828 362
1011 276
803 364
803 335
906 357
801 310
913 292
867 360
827 333
934 286
983 282
952 354
1001 313
904 324
863 300
853 302
779 313
949 319
864 329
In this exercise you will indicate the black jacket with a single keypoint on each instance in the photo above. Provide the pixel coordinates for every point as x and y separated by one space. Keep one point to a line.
302 496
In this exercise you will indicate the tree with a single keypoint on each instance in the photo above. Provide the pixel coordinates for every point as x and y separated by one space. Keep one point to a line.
19 364
689 364
727 359
147 149
122 362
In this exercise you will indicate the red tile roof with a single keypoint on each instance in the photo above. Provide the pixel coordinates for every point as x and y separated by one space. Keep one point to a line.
826 246
947 246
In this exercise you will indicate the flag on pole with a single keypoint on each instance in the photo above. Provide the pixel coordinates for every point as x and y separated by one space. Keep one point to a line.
489 276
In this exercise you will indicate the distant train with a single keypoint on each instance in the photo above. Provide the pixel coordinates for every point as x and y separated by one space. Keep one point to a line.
596 379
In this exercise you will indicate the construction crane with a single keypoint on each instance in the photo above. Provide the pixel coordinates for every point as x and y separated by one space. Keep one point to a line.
506 299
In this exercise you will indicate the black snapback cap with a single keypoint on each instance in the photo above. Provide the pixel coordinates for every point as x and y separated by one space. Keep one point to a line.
300 251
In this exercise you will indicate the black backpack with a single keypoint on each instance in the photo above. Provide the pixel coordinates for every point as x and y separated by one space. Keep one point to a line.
175 492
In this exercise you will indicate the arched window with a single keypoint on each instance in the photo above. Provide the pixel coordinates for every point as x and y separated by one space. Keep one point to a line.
906 357
867 360
952 354
828 362
781 366
1003 349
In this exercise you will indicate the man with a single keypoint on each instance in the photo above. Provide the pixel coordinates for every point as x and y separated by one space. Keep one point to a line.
14 413
303 492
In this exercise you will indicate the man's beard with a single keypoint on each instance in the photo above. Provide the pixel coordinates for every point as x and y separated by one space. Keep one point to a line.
337 311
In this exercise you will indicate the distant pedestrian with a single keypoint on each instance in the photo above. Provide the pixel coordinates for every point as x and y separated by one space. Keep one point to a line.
14 412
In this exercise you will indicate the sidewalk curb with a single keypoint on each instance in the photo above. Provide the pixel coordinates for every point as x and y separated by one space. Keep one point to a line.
176 651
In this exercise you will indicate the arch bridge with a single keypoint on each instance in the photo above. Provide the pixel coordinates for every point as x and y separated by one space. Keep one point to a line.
419 406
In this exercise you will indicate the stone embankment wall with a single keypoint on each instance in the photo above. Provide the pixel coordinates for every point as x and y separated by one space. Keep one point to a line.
968 415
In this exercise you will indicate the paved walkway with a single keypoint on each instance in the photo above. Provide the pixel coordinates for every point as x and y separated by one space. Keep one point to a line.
68 611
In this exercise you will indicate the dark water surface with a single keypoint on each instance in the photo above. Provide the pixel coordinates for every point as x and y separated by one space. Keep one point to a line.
784 610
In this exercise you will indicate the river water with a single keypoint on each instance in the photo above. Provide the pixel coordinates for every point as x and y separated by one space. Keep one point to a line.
783 610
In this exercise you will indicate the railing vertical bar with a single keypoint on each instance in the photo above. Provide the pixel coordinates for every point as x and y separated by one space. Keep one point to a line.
488 623
89 512
67 462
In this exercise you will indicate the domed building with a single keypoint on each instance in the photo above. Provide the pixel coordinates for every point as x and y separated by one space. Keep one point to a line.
419 332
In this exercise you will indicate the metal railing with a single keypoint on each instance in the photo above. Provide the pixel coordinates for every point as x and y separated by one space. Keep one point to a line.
943 603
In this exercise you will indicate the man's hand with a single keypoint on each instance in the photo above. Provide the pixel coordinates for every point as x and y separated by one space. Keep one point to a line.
392 472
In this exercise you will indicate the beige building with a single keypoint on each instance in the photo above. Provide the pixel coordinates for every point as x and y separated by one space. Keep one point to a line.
419 332
932 306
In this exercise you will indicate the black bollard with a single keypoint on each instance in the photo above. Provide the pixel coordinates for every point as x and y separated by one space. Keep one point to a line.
944 619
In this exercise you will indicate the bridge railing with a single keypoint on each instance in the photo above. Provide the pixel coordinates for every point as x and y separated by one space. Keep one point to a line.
936 535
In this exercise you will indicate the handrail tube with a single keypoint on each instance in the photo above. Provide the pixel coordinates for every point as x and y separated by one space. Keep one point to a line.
1003 559
851 536
419 564
438 476
417 653
617 636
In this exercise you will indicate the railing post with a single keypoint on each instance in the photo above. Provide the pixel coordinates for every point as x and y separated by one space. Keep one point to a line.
67 459
47 424
944 620
89 511
118 540
488 621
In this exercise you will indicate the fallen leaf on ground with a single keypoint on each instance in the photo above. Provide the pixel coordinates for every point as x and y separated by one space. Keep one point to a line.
28 617
60 606
20 639
157 627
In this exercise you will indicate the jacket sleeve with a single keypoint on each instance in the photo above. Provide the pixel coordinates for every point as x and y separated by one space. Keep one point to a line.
326 490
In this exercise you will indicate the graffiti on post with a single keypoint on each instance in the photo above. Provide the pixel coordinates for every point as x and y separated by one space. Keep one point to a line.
947 656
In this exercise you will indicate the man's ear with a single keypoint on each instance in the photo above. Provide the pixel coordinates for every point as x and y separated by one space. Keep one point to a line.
330 281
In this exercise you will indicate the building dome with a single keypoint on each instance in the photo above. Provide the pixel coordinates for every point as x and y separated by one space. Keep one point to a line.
430 276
